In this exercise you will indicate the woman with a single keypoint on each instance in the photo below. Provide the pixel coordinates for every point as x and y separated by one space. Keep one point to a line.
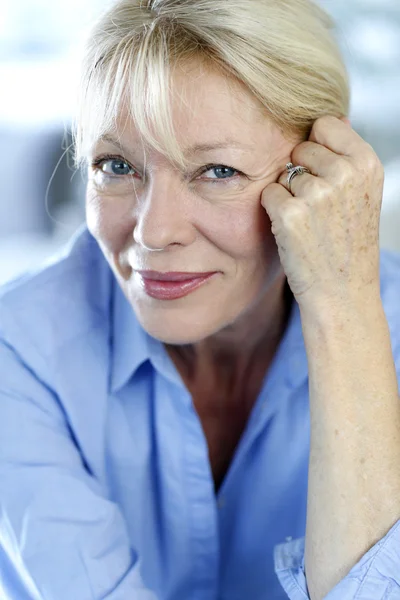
209 370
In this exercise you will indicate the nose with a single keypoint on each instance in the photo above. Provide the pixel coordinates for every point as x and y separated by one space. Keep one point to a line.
162 219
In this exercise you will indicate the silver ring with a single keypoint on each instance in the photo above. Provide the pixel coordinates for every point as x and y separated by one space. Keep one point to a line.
293 172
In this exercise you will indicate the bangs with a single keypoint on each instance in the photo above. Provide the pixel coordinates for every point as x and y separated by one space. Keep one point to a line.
282 51
137 83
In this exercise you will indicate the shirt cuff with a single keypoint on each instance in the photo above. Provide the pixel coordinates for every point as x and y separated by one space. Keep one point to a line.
375 577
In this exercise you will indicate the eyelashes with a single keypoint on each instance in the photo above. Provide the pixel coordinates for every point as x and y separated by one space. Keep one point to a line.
98 164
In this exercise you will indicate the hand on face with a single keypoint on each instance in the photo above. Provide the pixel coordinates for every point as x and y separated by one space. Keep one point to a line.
327 227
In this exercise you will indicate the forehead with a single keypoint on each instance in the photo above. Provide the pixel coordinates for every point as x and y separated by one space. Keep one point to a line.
205 91
208 109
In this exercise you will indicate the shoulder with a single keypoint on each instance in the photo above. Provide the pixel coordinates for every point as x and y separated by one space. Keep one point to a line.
63 300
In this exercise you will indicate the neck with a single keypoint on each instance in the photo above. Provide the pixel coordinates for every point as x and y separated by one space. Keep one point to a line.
235 354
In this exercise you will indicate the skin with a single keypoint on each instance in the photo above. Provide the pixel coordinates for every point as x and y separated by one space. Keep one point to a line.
223 336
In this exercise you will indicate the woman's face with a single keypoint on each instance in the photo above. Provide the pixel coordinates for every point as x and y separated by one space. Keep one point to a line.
148 216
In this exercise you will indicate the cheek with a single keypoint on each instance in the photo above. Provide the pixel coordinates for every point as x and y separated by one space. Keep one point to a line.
95 214
106 219
245 232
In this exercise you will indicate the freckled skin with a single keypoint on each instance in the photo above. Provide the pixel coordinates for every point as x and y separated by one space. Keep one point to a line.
327 228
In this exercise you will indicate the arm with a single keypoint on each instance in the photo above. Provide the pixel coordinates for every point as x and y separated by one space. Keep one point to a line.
326 224
60 538
354 468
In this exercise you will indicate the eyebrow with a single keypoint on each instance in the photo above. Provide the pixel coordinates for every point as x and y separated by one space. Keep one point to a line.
228 143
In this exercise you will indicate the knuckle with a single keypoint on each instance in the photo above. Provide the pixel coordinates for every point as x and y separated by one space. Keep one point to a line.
322 123
314 187
343 171
375 164
321 195
292 216
301 149
370 161
325 190
319 126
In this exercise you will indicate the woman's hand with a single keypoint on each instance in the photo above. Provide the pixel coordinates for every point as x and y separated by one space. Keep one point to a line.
327 228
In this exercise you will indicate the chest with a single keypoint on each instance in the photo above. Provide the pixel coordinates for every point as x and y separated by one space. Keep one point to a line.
223 428
224 410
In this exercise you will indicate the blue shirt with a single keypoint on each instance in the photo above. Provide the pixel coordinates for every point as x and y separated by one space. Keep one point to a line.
106 490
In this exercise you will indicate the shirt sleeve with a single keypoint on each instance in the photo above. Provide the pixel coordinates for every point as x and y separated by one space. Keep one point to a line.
60 538
375 577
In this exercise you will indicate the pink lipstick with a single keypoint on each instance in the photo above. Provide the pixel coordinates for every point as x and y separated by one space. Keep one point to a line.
172 285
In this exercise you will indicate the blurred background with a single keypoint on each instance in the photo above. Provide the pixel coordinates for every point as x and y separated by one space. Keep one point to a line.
42 197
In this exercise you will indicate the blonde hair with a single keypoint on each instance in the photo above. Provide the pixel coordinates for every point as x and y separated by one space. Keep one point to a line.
283 51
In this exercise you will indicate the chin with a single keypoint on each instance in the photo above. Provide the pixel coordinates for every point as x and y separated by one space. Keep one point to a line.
181 328
176 332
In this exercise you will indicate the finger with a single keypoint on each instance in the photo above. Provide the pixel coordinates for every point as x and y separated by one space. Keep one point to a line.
299 183
273 196
336 135
345 120
321 161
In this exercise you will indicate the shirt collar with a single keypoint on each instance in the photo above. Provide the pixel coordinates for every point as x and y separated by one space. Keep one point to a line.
130 346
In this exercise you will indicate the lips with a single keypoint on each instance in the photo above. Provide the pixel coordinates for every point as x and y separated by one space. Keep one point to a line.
171 285
172 275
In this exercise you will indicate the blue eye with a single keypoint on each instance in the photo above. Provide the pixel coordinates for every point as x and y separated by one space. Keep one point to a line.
220 168
119 167
112 166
